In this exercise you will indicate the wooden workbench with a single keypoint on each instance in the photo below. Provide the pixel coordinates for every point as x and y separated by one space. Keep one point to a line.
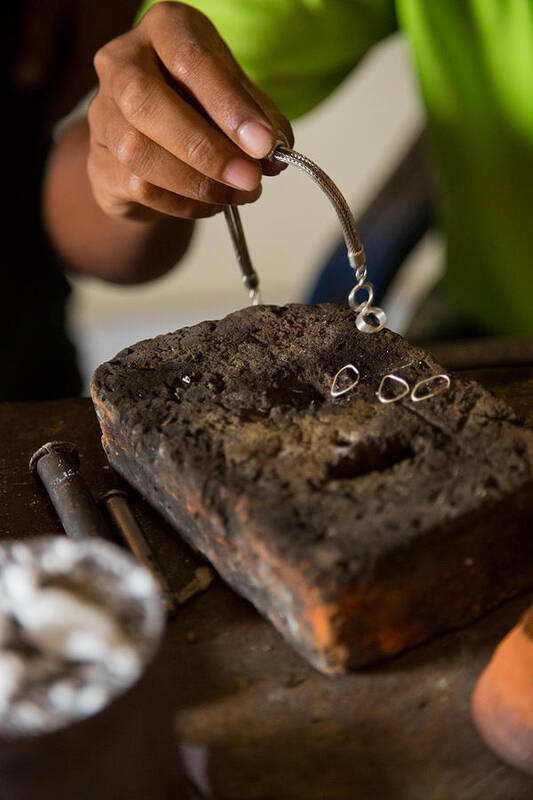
274 728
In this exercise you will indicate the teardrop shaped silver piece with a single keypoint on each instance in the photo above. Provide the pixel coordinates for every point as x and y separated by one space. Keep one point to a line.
394 379
445 379
335 391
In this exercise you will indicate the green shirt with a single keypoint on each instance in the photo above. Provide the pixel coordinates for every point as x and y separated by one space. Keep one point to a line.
475 65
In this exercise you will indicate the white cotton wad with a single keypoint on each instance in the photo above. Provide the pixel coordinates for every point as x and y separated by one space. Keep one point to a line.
78 622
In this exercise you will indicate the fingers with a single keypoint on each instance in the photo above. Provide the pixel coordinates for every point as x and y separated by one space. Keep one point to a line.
279 122
154 109
144 158
198 61
183 129
121 194
272 168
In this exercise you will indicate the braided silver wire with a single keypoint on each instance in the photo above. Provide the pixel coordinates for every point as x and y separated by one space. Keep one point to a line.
250 277
369 318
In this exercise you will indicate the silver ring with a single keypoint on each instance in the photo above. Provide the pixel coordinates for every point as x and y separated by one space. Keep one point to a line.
441 377
334 391
367 327
395 378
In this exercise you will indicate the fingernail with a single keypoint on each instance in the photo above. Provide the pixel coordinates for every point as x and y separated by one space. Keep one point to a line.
256 139
241 198
242 174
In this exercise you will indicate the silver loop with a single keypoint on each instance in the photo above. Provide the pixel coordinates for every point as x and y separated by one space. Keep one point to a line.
425 381
334 391
352 302
368 327
395 378
351 236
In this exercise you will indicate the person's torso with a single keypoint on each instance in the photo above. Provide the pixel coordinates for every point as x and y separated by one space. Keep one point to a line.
474 60
475 64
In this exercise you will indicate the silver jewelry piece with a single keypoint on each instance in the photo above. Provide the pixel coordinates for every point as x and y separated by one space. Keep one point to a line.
372 312
250 278
415 394
335 391
396 379
352 297
369 318
356 255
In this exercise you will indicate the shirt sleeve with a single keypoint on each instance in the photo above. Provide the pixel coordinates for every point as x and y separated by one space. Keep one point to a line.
297 51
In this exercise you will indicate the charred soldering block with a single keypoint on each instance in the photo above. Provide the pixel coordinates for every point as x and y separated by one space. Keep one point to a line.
359 528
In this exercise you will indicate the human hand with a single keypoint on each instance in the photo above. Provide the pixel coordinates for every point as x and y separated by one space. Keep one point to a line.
176 127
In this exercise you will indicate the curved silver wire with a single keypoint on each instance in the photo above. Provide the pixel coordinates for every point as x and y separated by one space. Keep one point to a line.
446 382
369 318
356 253
334 390
352 297
394 378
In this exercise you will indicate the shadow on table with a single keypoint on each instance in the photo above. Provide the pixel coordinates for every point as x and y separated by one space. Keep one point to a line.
275 729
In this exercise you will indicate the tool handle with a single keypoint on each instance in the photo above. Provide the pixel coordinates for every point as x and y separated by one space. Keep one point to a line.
57 465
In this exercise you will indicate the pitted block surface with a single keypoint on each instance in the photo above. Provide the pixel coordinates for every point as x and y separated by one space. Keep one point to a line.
358 528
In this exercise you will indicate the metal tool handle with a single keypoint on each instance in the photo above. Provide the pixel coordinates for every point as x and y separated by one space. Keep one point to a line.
117 506
57 465
368 318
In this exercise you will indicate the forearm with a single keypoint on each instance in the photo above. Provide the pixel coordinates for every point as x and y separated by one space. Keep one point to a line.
89 240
